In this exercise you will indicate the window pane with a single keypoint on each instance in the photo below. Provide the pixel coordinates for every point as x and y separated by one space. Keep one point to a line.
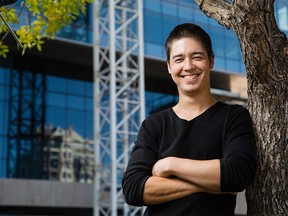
217 38
76 87
154 50
219 63
76 120
4 117
89 126
169 9
56 117
89 89
233 65
152 27
153 5
56 84
55 99
89 104
75 102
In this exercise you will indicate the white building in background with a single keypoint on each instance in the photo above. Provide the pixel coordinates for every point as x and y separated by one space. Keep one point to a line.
68 157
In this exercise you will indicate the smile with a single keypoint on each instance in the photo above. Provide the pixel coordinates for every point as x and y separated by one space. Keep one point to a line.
190 77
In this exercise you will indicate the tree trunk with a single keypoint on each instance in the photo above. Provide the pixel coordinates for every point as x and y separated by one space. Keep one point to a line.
265 54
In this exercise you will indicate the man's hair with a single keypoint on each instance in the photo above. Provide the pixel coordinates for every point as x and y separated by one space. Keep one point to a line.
189 30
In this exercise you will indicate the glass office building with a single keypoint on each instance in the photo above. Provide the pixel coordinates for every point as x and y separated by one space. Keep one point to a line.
52 91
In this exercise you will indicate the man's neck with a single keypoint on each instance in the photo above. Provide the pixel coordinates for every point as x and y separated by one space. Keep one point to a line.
190 107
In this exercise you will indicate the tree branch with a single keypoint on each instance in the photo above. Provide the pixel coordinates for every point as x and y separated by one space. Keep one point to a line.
217 9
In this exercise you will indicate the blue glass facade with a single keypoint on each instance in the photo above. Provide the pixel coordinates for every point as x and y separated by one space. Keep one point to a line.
4 107
68 101
160 16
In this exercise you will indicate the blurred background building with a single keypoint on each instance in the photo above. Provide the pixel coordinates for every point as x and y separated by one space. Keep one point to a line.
46 105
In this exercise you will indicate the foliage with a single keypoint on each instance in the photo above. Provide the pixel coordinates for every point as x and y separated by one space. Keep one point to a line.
39 19
3 50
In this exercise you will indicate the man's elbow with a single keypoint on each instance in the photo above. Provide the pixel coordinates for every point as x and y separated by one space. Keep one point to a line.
132 199
132 191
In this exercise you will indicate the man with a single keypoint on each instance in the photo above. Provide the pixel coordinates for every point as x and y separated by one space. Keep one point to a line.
191 159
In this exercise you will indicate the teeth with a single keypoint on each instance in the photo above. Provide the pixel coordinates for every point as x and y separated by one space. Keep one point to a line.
191 77
195 76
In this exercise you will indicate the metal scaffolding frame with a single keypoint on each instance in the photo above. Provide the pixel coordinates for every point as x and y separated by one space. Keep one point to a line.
118 97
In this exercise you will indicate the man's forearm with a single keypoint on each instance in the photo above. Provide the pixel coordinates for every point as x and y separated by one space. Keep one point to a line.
159 190
204 173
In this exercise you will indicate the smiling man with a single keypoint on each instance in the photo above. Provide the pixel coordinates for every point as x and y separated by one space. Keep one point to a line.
193 158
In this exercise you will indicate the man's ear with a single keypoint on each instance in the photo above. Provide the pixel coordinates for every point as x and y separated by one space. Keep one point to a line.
168 67
211 61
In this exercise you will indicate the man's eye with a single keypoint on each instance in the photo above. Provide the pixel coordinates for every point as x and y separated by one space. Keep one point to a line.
178 60
197 57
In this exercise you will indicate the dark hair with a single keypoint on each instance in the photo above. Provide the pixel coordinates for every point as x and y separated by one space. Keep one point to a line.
189 30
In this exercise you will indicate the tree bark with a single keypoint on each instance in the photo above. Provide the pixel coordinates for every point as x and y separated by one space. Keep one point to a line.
265 53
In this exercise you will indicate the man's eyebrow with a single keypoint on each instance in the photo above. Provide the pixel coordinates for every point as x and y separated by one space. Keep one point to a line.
198 53
192 54
176 56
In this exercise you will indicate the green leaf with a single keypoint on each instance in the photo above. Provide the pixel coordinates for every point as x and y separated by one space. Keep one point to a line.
44 19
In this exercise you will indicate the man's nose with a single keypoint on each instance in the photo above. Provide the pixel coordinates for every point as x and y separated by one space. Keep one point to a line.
188 64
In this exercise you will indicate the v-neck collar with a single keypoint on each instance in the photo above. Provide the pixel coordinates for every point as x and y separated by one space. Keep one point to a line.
198 116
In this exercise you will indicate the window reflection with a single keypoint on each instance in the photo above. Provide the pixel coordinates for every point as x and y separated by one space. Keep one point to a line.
62 148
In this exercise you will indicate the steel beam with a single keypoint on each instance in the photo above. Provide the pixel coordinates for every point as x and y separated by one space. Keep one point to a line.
118 97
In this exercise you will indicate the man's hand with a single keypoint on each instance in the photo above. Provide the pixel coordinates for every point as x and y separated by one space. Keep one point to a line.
162 167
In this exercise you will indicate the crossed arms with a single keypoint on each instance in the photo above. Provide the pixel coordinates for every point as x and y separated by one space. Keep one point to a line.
148 180
174 178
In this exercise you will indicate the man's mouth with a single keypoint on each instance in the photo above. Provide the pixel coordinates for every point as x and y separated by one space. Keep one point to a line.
191 77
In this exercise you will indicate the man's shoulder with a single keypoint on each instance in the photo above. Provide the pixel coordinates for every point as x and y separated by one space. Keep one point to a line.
232 112
155 121
225 107
160 114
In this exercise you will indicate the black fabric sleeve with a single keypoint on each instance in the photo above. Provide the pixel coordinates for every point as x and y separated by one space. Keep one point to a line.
238 165
144 155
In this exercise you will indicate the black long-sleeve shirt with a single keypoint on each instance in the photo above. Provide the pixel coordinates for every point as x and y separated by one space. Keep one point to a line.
222 132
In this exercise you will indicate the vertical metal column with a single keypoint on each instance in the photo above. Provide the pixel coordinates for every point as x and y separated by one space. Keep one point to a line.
119 105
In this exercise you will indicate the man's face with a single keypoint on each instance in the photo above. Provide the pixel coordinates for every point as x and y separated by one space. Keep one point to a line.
189 66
